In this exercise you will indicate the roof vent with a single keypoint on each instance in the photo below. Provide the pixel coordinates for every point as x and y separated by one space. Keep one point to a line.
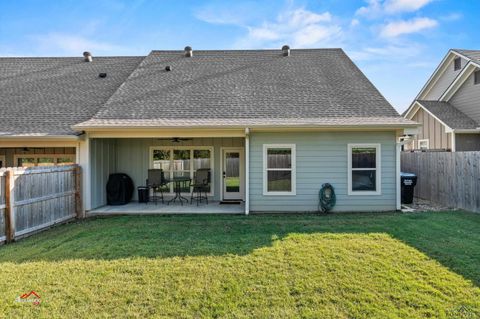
168 68
88 56
188 51
286 50
102 75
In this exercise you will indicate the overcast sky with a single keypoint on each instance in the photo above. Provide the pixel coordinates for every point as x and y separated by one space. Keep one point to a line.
396 43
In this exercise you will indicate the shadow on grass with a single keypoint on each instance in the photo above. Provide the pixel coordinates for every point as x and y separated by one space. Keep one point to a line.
452 238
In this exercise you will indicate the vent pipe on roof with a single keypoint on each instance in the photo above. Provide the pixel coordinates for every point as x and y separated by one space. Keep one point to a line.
88 56
286 50
188 51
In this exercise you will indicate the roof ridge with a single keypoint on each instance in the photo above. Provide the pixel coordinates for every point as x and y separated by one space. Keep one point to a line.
72 57
250 50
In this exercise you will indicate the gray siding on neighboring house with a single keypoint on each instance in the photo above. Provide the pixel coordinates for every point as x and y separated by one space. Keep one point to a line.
133 156
103 163
467 142
432 130
443 82
467 99
321 157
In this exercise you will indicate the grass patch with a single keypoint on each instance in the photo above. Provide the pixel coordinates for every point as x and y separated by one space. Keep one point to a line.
336 266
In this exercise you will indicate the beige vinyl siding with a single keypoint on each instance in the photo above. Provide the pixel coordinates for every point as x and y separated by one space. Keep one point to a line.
432 130
444 81
467 99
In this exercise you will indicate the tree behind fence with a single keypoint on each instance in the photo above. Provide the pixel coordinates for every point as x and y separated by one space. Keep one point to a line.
450 179
32 199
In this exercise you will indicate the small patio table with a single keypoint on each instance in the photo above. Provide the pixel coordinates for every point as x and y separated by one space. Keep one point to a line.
178 181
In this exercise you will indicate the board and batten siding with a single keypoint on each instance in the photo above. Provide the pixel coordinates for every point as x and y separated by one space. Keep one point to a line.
432 130
467 98
103 159
444 81
321 157
133 156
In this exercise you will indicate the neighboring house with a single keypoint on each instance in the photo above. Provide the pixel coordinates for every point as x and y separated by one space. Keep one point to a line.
272 125
448 106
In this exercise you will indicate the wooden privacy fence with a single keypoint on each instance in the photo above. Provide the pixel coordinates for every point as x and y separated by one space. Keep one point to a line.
450 179
35 198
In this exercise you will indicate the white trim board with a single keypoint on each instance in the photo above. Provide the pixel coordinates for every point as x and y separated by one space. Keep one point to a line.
458 81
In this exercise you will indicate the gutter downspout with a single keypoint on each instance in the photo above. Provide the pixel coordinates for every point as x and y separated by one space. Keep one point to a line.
247 171
397 174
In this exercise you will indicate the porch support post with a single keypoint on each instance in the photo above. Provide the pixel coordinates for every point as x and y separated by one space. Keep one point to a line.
83 159
454 147
247 171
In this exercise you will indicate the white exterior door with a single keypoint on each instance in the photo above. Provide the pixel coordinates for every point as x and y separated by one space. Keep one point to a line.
233 173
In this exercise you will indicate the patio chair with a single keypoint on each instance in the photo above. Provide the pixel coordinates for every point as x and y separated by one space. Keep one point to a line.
200 184
156 181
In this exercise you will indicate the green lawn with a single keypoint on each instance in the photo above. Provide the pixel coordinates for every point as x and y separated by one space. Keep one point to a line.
423 265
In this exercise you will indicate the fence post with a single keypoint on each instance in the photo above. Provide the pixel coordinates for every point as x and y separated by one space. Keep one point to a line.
78 197
9 206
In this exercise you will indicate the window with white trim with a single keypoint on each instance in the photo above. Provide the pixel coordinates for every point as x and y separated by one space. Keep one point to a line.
279 172
423 144
29 160
364 169
182 161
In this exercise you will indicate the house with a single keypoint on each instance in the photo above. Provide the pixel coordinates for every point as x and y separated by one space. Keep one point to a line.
272 125
448 106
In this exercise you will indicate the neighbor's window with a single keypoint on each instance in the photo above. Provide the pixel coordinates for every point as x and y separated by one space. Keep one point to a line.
364 169
279 169
181 161
423 144
476 77
457 64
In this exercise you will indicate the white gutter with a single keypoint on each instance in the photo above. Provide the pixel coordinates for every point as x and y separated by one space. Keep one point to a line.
247 171
254 126
474 130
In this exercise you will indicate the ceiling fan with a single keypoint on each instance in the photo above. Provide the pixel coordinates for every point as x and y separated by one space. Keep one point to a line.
176 139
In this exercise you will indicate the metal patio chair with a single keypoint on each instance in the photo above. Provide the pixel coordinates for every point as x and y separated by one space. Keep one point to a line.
156 181
200 184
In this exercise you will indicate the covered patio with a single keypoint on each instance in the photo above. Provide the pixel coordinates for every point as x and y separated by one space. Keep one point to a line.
178 157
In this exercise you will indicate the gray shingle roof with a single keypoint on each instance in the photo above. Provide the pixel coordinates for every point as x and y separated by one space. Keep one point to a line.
450 115
255 86
46 96
471 54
